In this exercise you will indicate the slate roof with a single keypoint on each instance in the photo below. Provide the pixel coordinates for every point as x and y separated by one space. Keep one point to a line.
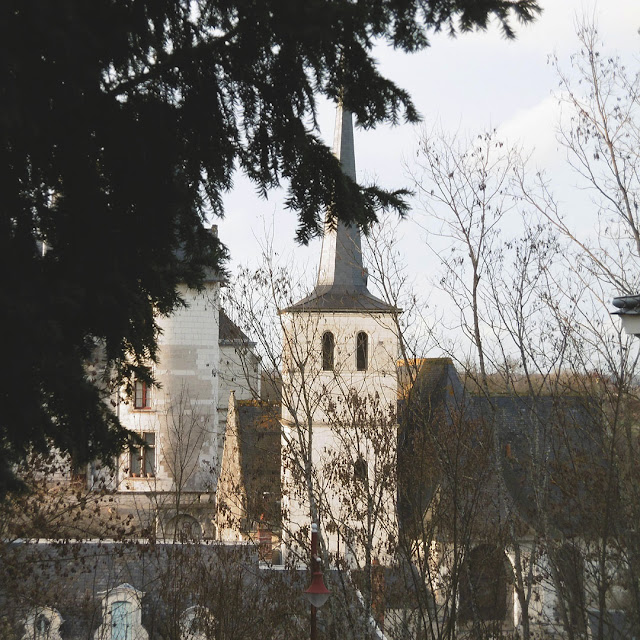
226 579
172 577
230 333
552 459
423 407
550 450
399 586
344 299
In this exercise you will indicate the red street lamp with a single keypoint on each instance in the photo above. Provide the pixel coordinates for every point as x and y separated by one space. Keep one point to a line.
317 593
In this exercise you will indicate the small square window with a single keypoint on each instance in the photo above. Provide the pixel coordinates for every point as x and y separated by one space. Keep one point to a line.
142 398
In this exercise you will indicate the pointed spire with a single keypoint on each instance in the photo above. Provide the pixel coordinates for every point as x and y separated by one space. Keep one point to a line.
343 147
341 256
342 279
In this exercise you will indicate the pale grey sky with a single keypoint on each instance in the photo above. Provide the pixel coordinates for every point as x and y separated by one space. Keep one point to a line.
468 84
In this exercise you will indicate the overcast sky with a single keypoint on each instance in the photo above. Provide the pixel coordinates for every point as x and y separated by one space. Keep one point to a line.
469 84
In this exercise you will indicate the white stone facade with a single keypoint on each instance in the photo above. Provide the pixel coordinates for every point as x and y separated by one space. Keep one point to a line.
182 412
343 428
303 344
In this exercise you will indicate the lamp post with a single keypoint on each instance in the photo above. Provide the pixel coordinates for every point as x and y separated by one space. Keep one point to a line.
628 308
317 593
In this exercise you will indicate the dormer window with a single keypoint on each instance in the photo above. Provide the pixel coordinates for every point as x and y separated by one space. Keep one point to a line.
121 619
328 348
43 623
197 623
362 351
122 615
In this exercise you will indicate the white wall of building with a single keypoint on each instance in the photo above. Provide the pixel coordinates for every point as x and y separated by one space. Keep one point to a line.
183 409
321 398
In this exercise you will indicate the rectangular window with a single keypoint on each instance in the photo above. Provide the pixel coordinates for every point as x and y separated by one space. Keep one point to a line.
78 473
142 460
121 620
142 399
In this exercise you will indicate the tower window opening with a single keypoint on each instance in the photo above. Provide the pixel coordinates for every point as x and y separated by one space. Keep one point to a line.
360 469
362 351
328 347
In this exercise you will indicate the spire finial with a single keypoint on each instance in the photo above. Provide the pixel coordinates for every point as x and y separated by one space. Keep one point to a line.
342 279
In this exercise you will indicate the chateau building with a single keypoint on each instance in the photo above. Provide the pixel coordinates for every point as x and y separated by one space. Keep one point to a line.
169 485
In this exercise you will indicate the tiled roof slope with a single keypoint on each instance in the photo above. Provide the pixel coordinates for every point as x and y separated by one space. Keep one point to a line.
430 392
552 459
342 299
73 577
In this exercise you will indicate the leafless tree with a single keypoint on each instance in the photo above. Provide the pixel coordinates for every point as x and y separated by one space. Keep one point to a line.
533 306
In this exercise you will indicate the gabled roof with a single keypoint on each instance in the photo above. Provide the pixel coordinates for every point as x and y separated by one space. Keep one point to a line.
552 458
430 392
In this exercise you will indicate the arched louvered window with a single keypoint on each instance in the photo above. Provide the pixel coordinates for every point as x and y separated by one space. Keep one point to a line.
328 347
362 351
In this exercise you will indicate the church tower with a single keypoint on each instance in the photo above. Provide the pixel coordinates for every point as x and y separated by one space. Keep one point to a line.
339 397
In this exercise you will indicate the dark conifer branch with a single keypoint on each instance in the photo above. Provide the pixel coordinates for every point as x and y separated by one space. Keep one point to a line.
121 126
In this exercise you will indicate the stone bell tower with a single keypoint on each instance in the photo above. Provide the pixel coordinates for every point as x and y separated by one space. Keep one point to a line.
339 391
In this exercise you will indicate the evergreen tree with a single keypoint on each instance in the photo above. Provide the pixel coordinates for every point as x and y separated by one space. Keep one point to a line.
121 126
